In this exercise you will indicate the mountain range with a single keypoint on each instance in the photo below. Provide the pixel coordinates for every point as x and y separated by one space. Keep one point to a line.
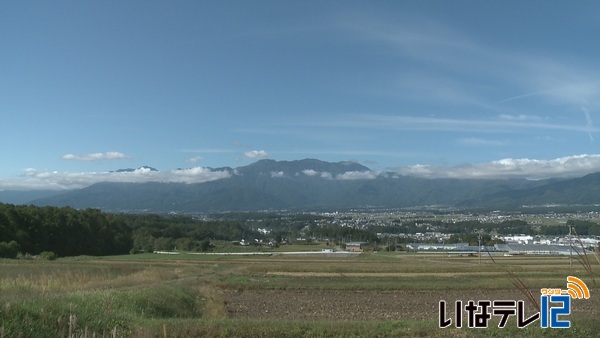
315 185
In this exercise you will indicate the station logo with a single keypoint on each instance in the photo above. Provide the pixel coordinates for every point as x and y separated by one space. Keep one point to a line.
555 305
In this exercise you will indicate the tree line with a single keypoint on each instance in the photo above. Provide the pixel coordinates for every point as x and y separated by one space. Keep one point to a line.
66 231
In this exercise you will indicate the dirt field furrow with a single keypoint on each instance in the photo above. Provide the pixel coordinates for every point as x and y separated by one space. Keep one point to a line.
363 305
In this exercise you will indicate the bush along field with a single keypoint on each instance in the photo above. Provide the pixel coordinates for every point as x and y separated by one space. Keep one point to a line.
374 294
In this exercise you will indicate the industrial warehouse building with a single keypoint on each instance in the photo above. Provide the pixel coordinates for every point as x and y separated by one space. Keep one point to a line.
509 249
540 249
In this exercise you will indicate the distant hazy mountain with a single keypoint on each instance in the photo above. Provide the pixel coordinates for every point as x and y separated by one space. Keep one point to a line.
584 191
25 196
314 184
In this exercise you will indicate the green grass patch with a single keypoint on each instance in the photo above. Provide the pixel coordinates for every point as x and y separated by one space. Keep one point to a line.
96 311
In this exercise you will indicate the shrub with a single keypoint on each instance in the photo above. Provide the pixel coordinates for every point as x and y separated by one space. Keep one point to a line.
48 255
205 245
9 249
25 256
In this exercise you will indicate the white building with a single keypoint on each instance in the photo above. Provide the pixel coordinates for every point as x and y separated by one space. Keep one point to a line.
518 239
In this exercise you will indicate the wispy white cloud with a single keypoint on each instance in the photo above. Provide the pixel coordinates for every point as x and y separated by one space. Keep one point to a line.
558 82
310 172
562 84
519 117
475 141
349 175
358 175
412 38
486 73
257 154
434 123
275 174
326 175
522 96
194 159
54 180
209 150
194 175
437 88
111 155
589 123
424 45
568 166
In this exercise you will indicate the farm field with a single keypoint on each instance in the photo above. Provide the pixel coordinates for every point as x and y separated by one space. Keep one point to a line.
380 294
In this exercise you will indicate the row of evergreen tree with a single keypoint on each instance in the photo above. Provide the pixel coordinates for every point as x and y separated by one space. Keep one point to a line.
64 231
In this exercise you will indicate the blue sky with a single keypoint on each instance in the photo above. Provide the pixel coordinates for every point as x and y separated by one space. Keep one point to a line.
429 88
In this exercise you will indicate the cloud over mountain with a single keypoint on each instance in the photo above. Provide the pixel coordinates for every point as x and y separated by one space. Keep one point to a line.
34 179
357 175
348 175
277 174
568 166
563 167
257 154
310 172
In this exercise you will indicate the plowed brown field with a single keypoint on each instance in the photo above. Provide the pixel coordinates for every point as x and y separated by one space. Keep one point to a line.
369 305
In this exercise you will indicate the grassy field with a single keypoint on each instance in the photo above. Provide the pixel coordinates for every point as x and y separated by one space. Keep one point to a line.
381 294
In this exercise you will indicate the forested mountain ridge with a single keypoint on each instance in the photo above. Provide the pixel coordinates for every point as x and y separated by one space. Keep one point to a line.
317 185
577 191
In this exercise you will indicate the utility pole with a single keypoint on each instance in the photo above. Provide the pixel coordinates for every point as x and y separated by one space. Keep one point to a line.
570 248
480 248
